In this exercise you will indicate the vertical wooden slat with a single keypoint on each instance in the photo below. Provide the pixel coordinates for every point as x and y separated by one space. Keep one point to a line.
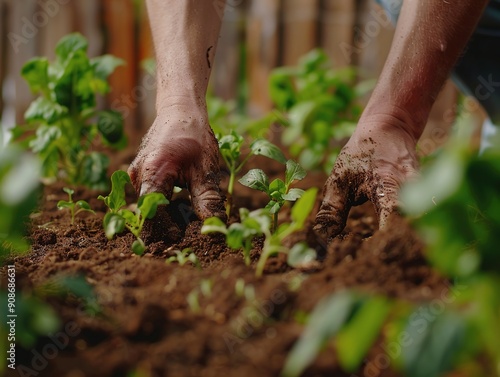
337 19
62 22
262 44
120 31
20 47
300 28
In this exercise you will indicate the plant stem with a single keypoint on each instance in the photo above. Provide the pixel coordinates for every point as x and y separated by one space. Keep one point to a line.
275 222
230 188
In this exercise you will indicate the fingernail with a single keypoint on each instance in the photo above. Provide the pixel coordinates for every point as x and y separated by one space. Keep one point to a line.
145 188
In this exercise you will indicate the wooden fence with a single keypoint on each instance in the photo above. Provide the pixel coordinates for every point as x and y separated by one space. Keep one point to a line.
274 32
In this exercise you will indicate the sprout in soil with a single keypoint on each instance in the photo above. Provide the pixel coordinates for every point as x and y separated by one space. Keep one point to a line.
82 205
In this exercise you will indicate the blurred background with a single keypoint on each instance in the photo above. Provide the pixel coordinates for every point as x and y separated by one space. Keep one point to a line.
257 36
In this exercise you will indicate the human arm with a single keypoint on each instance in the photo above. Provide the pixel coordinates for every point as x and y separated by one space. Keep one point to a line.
380 156
180 148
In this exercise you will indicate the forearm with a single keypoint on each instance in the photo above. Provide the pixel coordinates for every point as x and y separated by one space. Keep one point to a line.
185 34
429 38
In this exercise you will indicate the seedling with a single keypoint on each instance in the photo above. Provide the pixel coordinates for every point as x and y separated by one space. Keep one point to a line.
82 205
118 218
256 223
278 191
184 256
230 148
318 108
64 116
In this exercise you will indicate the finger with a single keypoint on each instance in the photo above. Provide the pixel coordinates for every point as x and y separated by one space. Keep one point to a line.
332 216
385 200
152 175
206 198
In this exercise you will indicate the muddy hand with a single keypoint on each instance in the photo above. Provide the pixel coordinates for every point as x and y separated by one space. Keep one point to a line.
180 149
378 158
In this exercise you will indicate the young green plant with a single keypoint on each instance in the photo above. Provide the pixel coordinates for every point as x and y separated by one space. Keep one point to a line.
230 149
258 223
63 123
184 256
119 218
82 205
279 191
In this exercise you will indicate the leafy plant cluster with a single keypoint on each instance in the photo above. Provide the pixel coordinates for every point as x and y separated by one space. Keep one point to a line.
317 106
64 121
258 223
456 207
118 218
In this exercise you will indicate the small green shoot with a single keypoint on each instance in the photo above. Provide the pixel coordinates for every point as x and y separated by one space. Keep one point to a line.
82 205
240 235
118 218
183 257
257 223
278 191
230 148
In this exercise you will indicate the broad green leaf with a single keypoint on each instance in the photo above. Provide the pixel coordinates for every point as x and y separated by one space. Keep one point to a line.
265 148
235 236
436 342
35 72
255 179
70 44
304 206
45 137
43 109
84 205
325 321
93 170
116 198
293 194
293 172
148 204
213 224
281 88
138 247
273 207
105 65
131 219
113 224
300 255
64 204
277 186
110 125
355 340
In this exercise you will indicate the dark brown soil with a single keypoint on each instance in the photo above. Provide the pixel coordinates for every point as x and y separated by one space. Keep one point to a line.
148 327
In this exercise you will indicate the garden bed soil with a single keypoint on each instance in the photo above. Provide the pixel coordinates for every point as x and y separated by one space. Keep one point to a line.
146 326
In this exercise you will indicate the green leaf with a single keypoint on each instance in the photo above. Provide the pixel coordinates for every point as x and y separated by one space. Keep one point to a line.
116 198
64 204
105 65
255 179
110 125
70 44
265 148
273 207
293 194
301 255
113 224
148 204
293 172
277 186
93 170
68 191
45 137
212 225
355 340
84 205
436 342
35 72
45 110
304 206
138 247
325 321
235 236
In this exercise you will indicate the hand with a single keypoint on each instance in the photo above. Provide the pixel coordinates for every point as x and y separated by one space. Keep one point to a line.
180 149
377 160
